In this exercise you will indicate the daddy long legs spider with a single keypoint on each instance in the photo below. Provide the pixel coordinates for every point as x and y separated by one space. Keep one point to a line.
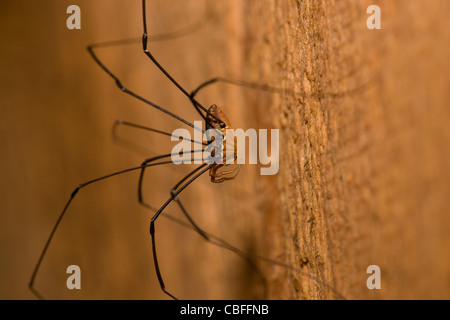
180 187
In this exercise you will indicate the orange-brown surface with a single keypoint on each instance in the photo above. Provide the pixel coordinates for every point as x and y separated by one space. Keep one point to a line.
364 148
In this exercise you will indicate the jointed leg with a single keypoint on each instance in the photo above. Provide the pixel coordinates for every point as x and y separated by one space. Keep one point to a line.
221 243
61 216
156 215
247 84
131 144
210 238
126 90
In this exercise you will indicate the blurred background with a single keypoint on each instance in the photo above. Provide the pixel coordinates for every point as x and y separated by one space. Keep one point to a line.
364 165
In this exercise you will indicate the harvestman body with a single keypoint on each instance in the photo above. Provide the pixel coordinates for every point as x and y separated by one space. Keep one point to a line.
214 118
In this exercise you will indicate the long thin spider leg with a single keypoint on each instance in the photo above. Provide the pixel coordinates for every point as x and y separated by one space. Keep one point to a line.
131 144
134 125
247 84
152 226
157 64
210 237
218 241
221 243
195 26
141 176
188 216
72 196
124 89
215 240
